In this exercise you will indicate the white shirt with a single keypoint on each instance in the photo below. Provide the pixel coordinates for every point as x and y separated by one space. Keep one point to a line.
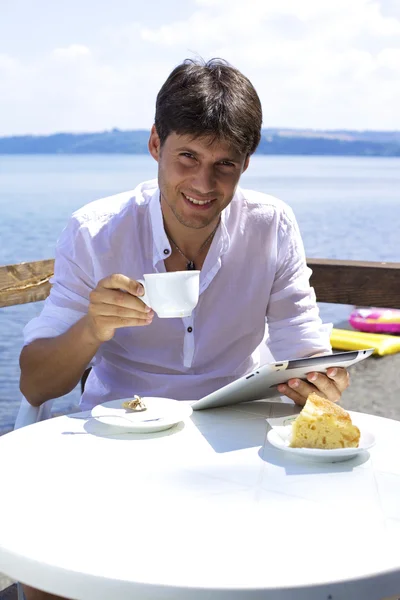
255 272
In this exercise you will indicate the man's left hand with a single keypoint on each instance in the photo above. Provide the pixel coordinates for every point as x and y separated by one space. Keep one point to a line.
330 386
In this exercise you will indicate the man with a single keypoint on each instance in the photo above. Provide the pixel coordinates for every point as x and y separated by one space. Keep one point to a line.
246 244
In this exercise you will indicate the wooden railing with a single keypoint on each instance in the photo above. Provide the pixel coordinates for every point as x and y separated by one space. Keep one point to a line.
335 281
25 282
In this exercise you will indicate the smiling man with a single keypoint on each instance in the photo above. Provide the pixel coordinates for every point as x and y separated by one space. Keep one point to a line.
194 216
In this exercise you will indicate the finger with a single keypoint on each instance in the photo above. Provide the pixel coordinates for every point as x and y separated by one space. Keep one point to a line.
113 310
117 298
118 322
340 376
121 282
304 388
325 385
292 394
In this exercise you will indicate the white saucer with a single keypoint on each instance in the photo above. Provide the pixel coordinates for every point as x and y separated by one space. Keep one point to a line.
367 440
161 414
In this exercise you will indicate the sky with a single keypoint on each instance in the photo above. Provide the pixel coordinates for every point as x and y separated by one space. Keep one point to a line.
92 65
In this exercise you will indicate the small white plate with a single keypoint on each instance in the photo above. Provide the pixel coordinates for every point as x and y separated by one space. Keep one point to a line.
367 440
161 414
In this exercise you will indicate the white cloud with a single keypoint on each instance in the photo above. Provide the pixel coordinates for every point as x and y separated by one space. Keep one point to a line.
389 59
315 63
72 90
75 51
7 63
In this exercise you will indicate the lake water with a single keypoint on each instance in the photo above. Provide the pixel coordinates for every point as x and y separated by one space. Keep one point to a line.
347 208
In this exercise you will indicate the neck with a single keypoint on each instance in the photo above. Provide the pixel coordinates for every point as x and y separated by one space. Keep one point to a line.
188 239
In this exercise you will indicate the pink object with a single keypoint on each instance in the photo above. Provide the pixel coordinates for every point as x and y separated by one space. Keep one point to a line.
376 320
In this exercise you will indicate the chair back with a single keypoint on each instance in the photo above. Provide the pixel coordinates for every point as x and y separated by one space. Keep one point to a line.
28 414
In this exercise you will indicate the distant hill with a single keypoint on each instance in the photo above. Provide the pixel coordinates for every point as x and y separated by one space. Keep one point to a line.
273 141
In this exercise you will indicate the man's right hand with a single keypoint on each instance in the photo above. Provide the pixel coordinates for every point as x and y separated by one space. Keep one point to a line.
114 303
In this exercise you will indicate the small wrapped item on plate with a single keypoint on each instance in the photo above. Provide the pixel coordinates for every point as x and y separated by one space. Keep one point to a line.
136 404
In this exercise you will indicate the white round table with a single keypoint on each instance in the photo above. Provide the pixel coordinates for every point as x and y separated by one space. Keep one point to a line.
206 510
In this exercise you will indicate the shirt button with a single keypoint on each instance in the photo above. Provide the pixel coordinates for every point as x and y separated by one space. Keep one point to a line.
166 251
190 329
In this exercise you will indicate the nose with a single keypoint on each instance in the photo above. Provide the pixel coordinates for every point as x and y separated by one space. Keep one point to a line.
203 180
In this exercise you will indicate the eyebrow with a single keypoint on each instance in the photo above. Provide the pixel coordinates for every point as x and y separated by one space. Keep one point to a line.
192 151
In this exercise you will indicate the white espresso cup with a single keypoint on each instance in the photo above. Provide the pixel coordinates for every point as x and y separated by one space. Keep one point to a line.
173 294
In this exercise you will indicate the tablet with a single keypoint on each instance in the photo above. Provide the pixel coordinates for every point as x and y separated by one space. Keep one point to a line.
262 383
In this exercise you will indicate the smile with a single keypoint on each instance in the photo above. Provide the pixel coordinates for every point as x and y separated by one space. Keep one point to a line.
198 202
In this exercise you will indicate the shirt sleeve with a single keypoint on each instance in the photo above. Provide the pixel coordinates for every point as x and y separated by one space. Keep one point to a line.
294 326
72 283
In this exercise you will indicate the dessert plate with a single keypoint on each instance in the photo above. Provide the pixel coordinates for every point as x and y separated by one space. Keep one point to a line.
279 437
161 414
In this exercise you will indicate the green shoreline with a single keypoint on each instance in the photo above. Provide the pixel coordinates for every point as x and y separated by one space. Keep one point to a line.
273 142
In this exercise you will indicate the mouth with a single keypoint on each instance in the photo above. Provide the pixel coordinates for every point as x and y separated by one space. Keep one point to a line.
198 204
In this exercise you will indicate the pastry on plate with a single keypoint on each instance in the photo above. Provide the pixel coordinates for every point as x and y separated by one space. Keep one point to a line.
323 424
137 404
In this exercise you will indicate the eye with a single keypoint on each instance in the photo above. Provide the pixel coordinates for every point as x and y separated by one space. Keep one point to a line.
226 163
187 155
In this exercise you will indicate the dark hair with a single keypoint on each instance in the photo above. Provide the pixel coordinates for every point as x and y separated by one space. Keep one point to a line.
210 99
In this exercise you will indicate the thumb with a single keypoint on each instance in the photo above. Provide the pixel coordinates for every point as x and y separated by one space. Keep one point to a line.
121 282
136 288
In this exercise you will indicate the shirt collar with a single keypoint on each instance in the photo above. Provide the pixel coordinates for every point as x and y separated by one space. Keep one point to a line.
161 245
225 238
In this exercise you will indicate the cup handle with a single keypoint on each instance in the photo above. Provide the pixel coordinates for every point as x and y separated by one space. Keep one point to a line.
144 298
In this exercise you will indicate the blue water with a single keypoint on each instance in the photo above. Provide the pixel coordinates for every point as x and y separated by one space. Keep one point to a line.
347 208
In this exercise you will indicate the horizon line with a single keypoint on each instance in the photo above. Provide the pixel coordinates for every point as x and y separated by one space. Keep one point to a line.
147 130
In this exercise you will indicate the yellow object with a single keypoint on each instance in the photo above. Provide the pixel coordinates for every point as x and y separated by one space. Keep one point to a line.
343 339
323 424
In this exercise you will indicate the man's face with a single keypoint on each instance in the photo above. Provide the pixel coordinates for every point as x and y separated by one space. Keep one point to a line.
197 179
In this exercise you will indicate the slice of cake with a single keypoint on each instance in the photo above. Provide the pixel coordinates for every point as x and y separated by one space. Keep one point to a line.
323 424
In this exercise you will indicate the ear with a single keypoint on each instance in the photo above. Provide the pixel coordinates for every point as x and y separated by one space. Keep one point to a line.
154 143
246 163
